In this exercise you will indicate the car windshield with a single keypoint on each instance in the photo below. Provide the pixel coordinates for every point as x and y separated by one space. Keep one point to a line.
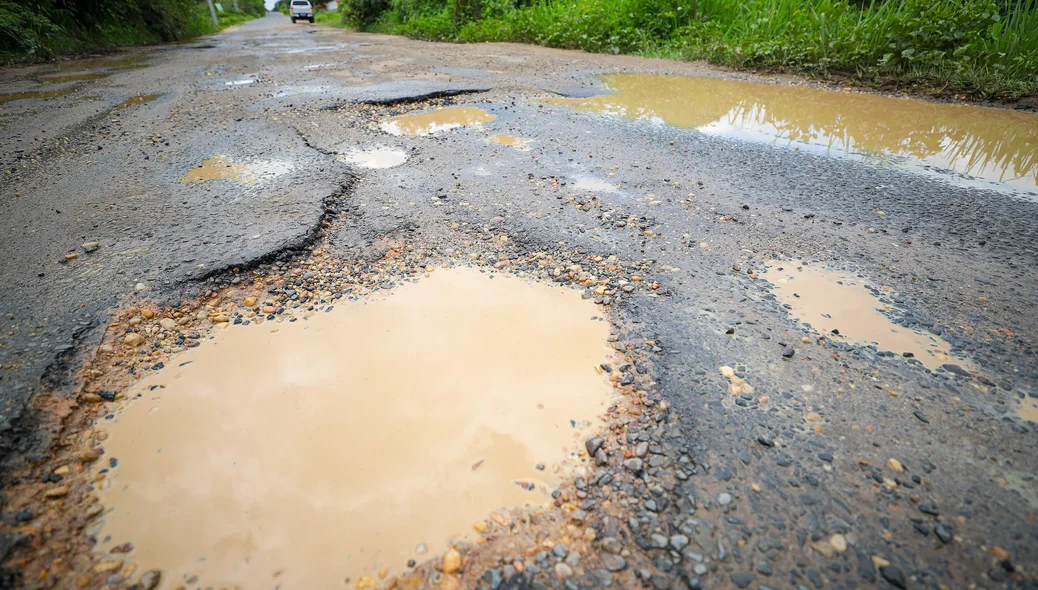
297 3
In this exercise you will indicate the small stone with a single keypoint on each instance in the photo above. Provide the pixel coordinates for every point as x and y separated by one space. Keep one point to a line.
633 464
813 418
421 549
766 441
613 562
742 580
943 534
150 579
659 541
839 543
893 575
168 323
824 548
72 256
593 444
563 571
364 582
1000 553
147 313
108 566
560 550
90 246
724 498
450 583
678 542
451 561
249 302
896 465
133 339
58 492
788 352
88 456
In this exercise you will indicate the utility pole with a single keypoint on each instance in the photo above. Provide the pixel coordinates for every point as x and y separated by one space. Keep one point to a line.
212 11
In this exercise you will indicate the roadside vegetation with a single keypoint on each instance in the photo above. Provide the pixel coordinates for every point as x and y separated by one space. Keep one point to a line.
44 29
986 48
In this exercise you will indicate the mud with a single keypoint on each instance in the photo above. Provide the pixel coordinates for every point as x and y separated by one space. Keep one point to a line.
436 121
138 100
510 140
402 419
73 78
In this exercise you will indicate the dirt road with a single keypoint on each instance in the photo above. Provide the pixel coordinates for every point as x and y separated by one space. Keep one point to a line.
768 448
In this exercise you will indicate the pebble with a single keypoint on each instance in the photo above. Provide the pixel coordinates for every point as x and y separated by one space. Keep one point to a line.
724 499
168 323
678 542
633 464
893 575
813 417
839 543
90 246
249 302
613 562
563 571
742 580
560 550
150 579
593 444
896 465
451 561
133 339
421 549
108 566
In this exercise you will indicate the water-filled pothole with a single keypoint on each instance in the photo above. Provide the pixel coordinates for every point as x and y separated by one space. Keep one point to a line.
994 144
71 78
227 168
374 157
841 308
436 121
299 454
35 94
138 100
510 140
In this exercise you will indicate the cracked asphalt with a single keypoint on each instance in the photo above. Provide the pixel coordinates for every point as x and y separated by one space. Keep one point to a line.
746 491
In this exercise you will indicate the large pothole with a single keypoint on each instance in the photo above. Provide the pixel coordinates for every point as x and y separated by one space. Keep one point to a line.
340 445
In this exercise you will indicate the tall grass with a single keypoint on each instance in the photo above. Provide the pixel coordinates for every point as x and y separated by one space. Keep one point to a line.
982 47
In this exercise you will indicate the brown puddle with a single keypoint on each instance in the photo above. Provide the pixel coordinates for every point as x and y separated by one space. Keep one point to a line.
73 78
436 121
217 168
374 157
510 140
993 144
35 94
1028 409
136 100
833 301
297 455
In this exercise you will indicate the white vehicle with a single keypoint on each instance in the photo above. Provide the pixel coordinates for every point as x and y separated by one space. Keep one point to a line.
301 10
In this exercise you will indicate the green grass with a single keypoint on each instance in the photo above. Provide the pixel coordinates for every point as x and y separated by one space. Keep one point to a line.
46 29
985 48
329 18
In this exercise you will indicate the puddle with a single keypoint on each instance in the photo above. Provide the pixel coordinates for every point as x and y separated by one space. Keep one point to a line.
594 185
436 121
226 168
297 455
510 140
993 144
239 82
833 301
73 78
85 64
1028 409
36 94
374 157
136 100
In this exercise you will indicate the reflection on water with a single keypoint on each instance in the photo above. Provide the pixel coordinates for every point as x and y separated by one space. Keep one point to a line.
436 121
993 144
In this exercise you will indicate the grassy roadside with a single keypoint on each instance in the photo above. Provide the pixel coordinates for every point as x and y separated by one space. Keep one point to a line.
49 28
981 48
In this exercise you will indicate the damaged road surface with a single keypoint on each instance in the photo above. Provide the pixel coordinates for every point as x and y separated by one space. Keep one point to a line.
297 307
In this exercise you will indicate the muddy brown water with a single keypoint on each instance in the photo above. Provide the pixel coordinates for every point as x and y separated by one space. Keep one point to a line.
299 454
510 140
35 94
830 300
436 121
217 168
1028 409
993 144
137 100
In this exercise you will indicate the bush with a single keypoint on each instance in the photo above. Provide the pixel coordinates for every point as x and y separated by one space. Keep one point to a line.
362 13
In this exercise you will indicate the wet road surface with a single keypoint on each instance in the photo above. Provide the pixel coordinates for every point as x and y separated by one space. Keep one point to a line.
761 450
